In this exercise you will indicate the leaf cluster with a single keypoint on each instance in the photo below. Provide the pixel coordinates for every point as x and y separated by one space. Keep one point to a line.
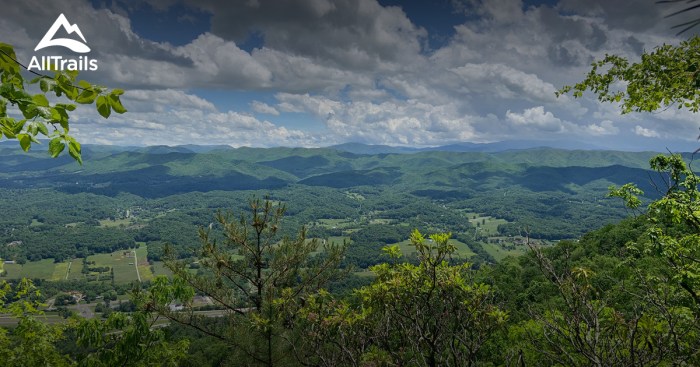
39 116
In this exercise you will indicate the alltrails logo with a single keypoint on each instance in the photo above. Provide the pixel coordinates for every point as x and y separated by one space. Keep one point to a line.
82 63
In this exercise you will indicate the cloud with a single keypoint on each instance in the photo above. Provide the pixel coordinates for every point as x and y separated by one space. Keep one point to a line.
536 117
354 34
390 122
505 82
361 70
647 133
605 127
158 100
261 107
187 126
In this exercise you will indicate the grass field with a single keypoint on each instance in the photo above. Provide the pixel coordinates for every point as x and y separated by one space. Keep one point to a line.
115 223
462 249
487 225
120 261
335 223
160 269
500 253
380 221
43 269
60 271
338 239
76 269
143 264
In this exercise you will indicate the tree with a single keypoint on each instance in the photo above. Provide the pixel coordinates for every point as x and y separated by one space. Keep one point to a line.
259 280
593 322
38 114
430 314
667 76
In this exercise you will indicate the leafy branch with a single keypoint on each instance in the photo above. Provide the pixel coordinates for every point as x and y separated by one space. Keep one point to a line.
40 117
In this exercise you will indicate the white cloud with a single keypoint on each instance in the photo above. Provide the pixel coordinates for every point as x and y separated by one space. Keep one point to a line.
151 100
262 107
647 133
505 82
605 127
537 117
362 69
389 122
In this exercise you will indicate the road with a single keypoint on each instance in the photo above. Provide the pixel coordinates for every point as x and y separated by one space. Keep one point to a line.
136 264
68 271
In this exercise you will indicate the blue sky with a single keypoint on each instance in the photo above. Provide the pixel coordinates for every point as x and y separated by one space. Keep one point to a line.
322 72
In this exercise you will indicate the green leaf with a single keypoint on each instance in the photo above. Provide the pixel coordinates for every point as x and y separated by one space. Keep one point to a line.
74 150
56 146
42 128
117 92
46 84
116 104
69 107
44 112
86 97
19 125
84 84
103 106
24 141
6 63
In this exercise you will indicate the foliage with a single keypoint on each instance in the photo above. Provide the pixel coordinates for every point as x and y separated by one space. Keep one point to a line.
669 75
430 314
38 114
594 324
132 339
256 277
674 223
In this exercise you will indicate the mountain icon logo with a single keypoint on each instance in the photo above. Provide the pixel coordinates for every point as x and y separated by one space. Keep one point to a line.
73 45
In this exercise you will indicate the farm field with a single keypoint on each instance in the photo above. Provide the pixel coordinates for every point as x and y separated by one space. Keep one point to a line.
115 223
499 253
43 269
121 261
486 225
462 249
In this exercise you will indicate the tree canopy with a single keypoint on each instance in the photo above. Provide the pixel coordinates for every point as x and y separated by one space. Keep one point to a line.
667 76
40 117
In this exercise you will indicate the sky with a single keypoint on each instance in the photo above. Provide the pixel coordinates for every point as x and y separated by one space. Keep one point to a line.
316 73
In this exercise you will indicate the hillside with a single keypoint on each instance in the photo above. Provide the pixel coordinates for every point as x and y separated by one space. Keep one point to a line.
163 194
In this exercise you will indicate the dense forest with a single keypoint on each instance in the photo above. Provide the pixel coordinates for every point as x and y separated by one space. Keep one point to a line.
556 194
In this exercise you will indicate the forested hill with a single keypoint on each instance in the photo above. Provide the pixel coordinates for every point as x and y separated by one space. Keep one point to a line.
126 195
162 171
